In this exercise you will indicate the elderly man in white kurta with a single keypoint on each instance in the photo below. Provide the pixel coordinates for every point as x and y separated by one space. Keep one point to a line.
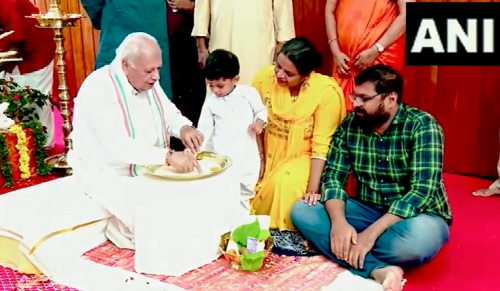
253 30
123 120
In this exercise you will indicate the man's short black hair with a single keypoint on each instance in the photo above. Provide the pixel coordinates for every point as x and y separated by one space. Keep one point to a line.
221 64
385 78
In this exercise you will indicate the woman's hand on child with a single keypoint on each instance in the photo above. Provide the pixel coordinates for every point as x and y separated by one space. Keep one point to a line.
257 126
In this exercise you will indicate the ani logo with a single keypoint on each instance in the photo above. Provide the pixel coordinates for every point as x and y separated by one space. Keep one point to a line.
452 34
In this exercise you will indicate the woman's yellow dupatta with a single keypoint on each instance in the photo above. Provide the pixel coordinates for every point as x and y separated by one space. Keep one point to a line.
296 113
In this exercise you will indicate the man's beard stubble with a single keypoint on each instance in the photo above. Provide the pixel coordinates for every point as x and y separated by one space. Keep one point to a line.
372 120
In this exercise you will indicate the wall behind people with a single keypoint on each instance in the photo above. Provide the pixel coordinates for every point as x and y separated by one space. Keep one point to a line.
463 99
309 18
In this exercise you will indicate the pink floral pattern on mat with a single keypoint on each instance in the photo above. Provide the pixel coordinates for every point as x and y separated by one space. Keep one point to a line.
11 280
278 272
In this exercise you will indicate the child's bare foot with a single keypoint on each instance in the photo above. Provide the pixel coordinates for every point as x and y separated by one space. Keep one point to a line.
390 277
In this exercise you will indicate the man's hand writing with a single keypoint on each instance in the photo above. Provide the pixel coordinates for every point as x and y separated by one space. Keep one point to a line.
342 235
183 162
359 250
191 138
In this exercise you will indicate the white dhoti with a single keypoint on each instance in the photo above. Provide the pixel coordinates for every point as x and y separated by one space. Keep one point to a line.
41 80
174 226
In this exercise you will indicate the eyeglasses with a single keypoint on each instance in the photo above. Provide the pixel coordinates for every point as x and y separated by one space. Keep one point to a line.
359 99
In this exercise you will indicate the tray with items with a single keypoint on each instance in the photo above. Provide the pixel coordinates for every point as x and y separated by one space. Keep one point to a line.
210 163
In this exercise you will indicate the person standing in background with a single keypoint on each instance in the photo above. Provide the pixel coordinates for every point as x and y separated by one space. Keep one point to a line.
188 82
117 19
36 47
253 30
375 37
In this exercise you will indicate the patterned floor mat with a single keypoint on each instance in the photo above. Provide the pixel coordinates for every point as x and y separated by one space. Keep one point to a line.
278 273
11 280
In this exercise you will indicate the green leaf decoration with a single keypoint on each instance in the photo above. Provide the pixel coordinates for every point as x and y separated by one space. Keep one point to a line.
23 101
263 235
5 166
252 262
241 233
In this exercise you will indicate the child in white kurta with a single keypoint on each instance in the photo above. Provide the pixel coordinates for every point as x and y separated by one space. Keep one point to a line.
232 116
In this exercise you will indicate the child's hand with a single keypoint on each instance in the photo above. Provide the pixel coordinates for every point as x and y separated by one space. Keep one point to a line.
257 126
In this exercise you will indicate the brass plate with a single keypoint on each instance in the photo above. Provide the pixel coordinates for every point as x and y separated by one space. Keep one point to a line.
221 164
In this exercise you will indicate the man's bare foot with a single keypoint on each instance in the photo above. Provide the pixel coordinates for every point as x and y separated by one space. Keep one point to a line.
390 277
486 192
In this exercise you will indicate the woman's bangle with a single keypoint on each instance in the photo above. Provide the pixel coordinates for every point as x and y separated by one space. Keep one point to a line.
332 40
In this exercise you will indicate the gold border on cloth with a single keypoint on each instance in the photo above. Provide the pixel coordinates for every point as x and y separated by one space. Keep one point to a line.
30 256
61 231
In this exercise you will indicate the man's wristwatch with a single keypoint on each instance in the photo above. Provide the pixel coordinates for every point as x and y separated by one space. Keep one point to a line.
380 48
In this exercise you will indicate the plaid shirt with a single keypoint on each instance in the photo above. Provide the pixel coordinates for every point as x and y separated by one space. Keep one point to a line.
399 171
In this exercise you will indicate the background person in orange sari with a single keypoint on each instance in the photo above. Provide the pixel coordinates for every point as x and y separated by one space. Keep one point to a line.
362 33
304 109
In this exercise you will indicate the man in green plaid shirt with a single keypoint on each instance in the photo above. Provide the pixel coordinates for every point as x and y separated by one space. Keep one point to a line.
400 215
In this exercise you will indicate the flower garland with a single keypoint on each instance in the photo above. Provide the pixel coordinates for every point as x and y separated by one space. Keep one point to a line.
42 168
24 157
22 130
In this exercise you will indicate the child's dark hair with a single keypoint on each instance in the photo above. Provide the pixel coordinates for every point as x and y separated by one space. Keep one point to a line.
221 64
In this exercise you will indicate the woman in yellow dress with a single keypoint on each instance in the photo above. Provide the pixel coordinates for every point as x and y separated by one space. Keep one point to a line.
304 109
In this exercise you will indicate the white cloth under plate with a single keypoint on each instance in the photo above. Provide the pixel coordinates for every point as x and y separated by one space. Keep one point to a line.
178 229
